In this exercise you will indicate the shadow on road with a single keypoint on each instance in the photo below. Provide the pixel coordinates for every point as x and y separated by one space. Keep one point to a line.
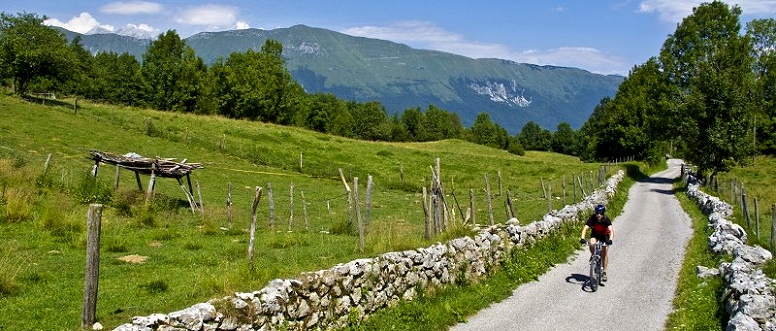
657 180
577 279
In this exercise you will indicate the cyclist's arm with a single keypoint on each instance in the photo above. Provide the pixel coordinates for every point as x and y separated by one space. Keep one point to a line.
611 232
584 231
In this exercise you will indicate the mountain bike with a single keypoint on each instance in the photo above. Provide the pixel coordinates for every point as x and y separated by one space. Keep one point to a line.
596 266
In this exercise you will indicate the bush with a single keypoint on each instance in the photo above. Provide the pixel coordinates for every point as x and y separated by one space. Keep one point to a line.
90 190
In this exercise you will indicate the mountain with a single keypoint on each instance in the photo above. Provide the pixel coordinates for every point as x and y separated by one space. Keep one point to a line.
363 69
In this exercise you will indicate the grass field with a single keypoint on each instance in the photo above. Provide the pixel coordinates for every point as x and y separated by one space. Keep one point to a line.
759 184
159 257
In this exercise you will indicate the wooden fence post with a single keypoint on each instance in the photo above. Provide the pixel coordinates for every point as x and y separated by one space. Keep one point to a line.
358 216
151 183
46 165
500 191
229 203
510 206
92 277
581 187
756 220
271 206
369 184
427 233
471 206
304 210
544 190
745 208
199 195
563 188
549 196
115 178
300 162
574 184
254 206
291 208
490 205
773 226
350 199
401 173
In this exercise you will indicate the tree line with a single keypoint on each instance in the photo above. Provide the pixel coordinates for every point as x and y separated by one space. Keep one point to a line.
253 85
708 96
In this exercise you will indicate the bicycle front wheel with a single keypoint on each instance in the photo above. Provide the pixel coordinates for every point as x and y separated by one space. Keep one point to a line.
594 275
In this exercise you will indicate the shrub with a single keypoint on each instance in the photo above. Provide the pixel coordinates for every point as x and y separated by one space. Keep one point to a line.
154 287
90 190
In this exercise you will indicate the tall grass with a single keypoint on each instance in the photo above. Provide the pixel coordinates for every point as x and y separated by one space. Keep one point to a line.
194 257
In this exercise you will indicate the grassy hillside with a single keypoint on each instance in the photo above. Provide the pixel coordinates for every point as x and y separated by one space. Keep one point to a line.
191 258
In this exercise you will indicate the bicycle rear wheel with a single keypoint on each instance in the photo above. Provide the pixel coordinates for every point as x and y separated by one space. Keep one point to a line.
595 276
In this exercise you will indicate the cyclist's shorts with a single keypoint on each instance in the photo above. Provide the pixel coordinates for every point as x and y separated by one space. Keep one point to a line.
601 238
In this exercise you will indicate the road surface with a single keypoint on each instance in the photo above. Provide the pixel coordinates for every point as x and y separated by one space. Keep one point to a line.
650 238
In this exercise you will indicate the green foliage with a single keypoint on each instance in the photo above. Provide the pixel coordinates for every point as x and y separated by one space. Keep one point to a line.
154 287
534 138
90 190
173 74
711 64
31 52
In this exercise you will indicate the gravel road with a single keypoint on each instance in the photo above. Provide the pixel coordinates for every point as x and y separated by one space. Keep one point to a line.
644 262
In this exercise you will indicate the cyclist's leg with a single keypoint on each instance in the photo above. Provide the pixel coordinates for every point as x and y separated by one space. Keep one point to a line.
591 244
605 256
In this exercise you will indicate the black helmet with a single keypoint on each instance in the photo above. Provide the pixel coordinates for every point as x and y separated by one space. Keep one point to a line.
600 209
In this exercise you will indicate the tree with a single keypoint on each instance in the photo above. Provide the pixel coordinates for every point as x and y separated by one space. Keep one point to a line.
173 74
31 51
117 78
370 121
534 138
763 35
564 140
487 133
711 64
414 121
257 86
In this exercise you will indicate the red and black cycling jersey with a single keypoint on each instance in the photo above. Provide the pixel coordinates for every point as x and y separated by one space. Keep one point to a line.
599 230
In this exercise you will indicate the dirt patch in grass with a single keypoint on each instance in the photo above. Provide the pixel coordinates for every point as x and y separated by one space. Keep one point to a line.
134 258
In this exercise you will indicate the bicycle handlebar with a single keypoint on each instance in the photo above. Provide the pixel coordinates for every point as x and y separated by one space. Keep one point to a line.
583 241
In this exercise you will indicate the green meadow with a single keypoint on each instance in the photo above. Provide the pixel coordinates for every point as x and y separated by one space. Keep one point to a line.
159 256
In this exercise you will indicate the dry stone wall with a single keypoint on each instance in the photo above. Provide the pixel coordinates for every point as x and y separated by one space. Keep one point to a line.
748 294
351 291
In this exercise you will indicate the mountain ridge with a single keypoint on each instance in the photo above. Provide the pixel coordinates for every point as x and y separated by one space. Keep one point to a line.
401 77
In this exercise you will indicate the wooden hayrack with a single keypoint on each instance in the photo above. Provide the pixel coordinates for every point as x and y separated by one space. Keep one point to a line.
162 167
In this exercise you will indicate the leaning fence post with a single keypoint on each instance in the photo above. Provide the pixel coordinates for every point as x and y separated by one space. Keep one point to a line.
291 208
745 208
773 226
256 199
756 220
490 205
92 277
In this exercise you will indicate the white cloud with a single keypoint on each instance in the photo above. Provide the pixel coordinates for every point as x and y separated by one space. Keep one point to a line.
240 25
675 11
209 16
82 23
131 8
426 35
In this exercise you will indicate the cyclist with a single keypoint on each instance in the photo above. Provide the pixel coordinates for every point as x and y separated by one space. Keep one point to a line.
601 230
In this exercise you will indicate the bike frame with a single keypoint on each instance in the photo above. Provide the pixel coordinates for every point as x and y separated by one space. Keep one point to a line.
596 266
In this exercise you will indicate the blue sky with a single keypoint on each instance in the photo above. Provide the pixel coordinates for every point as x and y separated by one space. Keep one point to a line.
606 37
